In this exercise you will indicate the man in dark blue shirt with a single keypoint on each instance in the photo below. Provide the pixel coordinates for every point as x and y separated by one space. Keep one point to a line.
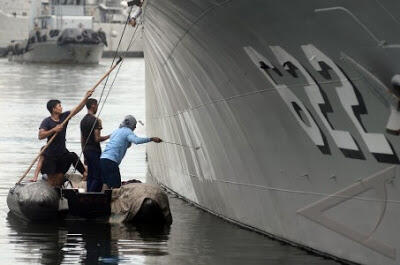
90 139
57 158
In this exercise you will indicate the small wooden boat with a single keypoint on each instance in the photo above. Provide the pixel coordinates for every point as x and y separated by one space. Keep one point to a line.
133 202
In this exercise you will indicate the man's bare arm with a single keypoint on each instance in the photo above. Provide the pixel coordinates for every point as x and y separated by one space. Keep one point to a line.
98 138
78 108
44 134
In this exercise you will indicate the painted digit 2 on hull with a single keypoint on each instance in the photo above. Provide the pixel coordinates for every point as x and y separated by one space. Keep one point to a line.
376 143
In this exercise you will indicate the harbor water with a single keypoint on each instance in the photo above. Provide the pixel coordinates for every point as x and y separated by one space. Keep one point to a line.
195 237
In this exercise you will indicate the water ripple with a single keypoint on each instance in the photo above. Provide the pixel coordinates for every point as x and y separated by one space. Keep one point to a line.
195 237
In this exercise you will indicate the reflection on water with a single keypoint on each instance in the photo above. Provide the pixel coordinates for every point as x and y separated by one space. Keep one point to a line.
87 242
195 237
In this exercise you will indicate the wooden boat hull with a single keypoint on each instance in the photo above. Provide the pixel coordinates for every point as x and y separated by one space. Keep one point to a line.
88 205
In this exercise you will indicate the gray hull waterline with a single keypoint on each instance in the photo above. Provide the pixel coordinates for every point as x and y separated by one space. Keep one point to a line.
290 107
50 52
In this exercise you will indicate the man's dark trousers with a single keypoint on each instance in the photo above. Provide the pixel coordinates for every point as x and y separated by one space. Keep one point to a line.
94 181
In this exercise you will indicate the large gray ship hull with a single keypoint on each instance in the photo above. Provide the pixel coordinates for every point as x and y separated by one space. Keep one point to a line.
51 52
287 117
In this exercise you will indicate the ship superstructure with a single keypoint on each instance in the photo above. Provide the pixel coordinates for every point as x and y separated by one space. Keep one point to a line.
109 16
59 33
288 116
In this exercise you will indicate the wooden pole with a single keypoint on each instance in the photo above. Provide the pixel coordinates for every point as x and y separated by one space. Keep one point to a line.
65 121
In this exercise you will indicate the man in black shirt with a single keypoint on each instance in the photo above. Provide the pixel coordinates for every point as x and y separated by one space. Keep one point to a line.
90 141
57 158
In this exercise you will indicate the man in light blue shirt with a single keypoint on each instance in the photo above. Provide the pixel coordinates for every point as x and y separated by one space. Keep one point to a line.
120 140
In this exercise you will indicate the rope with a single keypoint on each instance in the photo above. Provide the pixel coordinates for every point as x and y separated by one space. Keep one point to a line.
65 121
110 88
112 84
112 67
116 52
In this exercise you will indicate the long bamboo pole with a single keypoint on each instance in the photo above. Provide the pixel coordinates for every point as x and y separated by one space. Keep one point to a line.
65 121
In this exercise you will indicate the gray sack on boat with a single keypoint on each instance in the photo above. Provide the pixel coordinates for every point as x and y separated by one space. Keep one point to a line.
34 201
127 201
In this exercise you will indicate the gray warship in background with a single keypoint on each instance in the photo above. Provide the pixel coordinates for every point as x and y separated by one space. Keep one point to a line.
61 34
287 113
109 16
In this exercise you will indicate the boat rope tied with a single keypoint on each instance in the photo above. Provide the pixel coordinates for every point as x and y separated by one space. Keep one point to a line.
116 52
111 86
